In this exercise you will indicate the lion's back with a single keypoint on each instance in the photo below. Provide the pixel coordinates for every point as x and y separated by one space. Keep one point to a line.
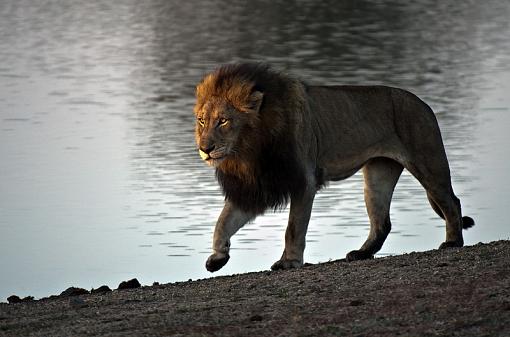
349 118
355 123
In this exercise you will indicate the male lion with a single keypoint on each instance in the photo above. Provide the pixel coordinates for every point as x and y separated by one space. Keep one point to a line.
272 138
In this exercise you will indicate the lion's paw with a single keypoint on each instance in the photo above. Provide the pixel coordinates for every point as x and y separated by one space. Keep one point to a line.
286 264
216 261
356 255
450 244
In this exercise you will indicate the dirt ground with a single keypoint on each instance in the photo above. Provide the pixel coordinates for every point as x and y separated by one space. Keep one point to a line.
455 292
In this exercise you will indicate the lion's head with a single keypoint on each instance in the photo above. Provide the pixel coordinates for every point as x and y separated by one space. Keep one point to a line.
227 116
244 130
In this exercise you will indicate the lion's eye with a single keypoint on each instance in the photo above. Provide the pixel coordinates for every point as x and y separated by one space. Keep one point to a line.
223 121
201 121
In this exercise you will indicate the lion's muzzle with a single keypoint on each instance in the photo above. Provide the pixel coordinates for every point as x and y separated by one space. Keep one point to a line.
214 155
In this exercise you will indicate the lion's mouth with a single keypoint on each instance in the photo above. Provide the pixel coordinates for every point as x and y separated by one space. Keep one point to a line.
212 159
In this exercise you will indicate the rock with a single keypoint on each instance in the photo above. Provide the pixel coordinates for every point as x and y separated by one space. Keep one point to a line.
13 299
101 290
16 299
73 291
77 302
355 303
256 318
131 284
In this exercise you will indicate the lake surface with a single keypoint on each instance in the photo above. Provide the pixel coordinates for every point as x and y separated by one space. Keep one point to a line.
100 180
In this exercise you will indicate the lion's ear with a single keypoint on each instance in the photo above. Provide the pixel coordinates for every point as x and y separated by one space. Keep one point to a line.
254 102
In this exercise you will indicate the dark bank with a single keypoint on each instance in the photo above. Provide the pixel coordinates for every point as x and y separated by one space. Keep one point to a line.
453 292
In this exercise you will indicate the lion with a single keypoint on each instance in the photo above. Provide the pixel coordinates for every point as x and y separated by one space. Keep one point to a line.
273 139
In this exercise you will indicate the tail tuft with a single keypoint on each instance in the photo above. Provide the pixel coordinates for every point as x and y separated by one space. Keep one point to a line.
467 222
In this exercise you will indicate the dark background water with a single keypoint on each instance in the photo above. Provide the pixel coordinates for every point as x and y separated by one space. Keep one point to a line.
99 177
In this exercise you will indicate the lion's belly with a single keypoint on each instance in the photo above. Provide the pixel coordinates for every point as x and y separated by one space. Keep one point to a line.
341 164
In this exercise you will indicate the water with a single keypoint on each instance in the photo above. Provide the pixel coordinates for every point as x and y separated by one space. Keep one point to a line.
99 177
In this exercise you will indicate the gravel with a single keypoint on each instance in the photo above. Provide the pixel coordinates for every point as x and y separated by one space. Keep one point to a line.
453 292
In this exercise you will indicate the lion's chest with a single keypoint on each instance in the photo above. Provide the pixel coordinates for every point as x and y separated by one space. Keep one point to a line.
270 184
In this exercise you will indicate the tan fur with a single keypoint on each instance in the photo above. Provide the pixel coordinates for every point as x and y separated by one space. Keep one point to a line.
271 138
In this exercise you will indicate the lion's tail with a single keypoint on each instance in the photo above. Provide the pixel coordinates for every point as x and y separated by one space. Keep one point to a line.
467 222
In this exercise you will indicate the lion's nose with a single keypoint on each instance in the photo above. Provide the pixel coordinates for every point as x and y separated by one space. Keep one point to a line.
208 149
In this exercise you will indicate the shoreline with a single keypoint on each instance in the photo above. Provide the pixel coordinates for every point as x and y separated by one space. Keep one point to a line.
461 292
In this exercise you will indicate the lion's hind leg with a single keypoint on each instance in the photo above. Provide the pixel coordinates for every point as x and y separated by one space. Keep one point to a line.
437 182
381 176
467 222
448 207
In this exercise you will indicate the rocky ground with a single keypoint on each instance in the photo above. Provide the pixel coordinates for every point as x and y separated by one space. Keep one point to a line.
455 292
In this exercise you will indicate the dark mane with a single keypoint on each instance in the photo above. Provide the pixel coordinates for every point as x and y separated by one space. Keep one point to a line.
276 177
267 171
256 73
235 82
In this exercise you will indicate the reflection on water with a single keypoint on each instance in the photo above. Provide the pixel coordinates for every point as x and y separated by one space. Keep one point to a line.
99 176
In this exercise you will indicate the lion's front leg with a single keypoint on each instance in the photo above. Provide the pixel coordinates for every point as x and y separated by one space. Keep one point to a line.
229 222
295 235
